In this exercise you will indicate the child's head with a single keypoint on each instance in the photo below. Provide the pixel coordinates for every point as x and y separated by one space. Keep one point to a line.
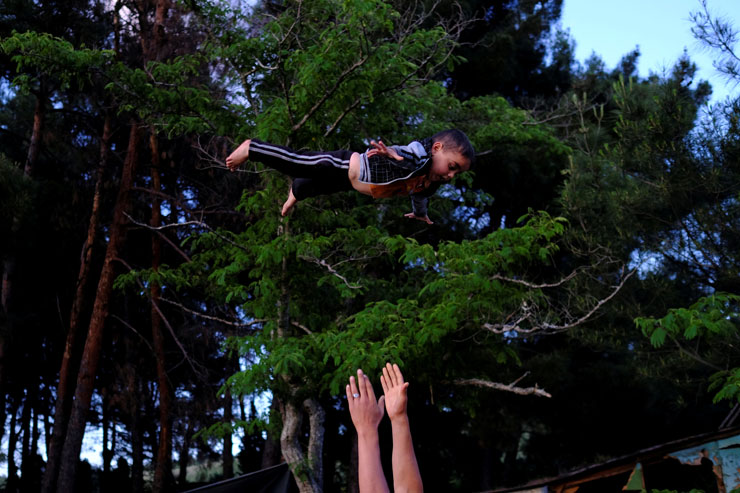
452 153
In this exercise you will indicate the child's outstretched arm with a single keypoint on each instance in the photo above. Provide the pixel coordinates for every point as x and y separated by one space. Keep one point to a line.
366 414
419 202
406 476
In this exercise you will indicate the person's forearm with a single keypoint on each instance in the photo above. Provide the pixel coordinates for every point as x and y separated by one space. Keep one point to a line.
370 470
406 476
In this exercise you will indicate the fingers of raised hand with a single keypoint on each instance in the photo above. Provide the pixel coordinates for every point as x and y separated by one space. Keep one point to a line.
364 386
352 391
396 371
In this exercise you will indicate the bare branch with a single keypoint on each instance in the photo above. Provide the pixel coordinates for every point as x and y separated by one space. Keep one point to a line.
527 313
302 327
539 286
477 382
332 271
338 82
239 325
133 329
166 323
165 226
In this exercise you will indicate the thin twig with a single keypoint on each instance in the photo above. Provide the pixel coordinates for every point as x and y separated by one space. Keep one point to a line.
332 271
477 382
215 319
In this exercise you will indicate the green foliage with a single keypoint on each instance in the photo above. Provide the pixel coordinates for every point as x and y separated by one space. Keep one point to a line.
39 54
170 95
459 291
366 51
711 317
714 315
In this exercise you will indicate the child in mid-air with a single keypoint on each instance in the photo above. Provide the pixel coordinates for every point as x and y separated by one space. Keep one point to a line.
417 169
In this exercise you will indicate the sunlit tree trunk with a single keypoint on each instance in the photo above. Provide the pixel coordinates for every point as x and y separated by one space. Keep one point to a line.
93 343
67 371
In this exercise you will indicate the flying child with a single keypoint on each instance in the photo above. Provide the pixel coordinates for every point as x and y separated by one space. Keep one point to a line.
417 169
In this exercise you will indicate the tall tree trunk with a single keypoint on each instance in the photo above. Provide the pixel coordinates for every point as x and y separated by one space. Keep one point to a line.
27 456
9 262
137 430
12 483
164 449
67 371
307 467
108 450
271 453
182 476
228 455
353 481
93 343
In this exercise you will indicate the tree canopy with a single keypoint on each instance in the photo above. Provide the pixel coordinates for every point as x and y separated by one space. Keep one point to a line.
589 260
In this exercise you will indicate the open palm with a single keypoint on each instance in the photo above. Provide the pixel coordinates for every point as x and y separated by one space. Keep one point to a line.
394 390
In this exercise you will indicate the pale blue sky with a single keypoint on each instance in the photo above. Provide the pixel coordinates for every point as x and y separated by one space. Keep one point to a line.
661 29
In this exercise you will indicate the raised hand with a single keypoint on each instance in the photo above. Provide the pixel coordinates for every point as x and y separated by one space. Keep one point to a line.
394 389
382 150
365 411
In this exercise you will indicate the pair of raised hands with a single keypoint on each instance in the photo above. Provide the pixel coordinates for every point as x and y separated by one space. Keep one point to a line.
365 411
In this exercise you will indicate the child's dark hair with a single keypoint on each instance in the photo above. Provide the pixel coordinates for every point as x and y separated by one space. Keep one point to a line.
457 140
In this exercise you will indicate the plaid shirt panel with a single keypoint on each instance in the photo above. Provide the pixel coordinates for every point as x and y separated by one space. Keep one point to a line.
380 170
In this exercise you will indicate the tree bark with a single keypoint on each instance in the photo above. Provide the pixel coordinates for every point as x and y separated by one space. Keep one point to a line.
271 453
228 456
135 425
307 468
12 482
182 477
67 371
93 343
353 481
164 449
26 455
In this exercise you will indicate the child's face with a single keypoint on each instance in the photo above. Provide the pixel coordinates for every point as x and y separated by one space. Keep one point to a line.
446 163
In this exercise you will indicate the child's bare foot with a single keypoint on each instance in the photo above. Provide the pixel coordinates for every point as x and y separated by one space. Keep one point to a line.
288 205
238 157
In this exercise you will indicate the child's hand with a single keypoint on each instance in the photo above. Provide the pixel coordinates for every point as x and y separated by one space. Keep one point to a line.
366 413
426 219
382 150
394 389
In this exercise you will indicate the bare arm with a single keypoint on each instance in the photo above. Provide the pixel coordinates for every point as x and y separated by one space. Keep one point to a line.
366 414
406 476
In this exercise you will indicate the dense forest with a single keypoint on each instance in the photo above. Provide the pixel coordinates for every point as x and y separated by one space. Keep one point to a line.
576 297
